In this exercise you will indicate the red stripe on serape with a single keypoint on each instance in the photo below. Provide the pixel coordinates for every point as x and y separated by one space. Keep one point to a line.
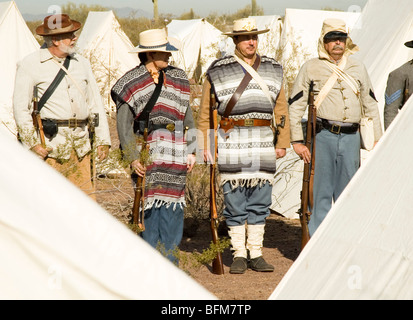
167 192
180 86
171 166
136 87
169 110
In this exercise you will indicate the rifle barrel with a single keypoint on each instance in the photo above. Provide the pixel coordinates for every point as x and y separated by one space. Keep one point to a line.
139 201
217 264
305 193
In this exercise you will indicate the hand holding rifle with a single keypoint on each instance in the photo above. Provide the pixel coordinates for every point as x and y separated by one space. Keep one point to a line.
39 149
140 168
308 156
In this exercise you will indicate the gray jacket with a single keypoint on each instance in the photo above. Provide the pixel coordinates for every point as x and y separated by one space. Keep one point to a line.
396 94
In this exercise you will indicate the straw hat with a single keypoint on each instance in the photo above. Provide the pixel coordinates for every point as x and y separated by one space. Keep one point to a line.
246 26
154 40
57 24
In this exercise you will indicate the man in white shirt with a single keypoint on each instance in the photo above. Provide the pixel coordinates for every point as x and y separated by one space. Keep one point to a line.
67 111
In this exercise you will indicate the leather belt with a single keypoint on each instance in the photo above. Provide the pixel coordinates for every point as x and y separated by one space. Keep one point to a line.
170 126
337 128
72 123
227 123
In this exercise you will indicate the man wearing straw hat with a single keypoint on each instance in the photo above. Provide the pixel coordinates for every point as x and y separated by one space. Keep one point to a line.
68 97
246 151
155 96
399 89
343 92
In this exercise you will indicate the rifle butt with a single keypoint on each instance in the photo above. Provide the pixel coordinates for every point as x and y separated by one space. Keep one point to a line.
137 211
305 234
217 263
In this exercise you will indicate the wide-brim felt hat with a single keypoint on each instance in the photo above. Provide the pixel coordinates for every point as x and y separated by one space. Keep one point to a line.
155 40
57 24
409 44
246 26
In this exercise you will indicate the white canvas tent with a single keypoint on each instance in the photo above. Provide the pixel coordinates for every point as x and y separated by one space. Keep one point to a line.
198 40
18 42
385 27
269 42
106 45
299 39
364 248
301 31
56 243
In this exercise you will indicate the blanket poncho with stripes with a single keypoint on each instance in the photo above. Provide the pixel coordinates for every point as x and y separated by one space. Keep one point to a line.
247 157
166 172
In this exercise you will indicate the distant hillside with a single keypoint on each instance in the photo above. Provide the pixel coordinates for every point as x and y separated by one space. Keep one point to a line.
120 12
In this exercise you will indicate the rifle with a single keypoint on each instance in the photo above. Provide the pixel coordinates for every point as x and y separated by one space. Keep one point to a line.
306 195
138 204
217 264
37 120
93 123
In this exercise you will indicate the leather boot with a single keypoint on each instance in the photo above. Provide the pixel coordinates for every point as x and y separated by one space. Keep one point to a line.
237 235
239 265
255 241
260 265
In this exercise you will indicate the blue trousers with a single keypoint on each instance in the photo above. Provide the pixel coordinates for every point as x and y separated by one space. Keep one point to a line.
164 226
337 158
244 204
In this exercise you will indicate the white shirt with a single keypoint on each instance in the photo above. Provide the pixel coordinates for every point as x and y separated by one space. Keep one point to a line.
67 102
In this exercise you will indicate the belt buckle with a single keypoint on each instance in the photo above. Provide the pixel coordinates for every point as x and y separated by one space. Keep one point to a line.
249 122
72 123
335 126
170 127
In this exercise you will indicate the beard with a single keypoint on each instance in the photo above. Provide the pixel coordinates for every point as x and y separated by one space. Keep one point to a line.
66 49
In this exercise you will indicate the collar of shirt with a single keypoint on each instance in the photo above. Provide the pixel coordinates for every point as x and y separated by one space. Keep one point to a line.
45 55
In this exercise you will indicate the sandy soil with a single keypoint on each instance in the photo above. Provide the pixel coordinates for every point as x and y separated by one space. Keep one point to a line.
281 243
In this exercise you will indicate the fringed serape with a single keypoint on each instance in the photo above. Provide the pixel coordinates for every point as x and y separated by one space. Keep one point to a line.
247 157
166 172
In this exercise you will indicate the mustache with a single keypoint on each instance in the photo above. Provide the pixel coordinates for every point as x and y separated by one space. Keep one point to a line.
337 46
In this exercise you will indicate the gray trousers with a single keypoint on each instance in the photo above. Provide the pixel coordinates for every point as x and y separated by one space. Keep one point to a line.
337 160
245 204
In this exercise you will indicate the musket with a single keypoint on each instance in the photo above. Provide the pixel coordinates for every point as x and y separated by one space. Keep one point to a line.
217 264
306 194
37 120
93 123
138 204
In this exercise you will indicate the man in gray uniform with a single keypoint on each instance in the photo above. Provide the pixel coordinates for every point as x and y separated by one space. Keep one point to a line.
339 100
399 89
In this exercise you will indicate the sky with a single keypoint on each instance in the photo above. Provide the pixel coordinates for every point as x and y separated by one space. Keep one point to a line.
200 7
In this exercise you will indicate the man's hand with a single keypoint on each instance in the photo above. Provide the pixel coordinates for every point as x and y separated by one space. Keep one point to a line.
138 167
40 151
302 151
103 152
280 153
191 162
208 157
